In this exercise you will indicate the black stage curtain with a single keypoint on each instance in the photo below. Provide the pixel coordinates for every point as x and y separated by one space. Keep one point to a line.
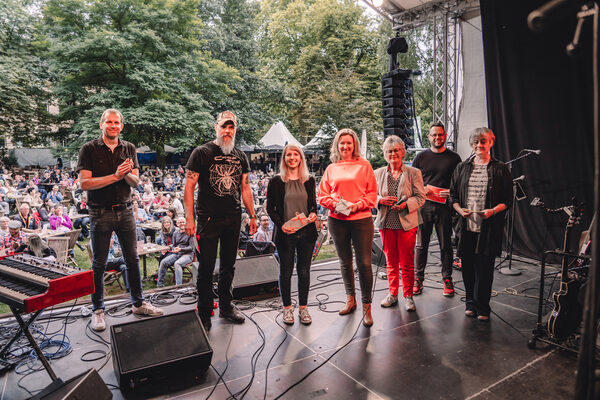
538 98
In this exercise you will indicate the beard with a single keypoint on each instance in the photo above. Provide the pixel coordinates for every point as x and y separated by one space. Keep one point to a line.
226 148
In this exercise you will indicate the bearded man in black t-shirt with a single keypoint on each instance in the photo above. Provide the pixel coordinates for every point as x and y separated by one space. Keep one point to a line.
437 165
221 172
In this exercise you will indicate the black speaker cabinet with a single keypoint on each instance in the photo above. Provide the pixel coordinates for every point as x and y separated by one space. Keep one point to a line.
88 386
159 355
255 275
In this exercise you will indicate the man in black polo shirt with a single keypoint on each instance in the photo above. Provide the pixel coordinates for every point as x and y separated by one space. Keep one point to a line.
437 165
221 172
108 169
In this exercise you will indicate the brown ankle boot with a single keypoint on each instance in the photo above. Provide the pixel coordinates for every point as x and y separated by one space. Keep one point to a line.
349 306
367 317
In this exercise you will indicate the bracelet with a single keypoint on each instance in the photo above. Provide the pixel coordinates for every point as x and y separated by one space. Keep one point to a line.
493 211
253 217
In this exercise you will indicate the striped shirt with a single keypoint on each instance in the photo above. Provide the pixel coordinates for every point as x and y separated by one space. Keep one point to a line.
476 196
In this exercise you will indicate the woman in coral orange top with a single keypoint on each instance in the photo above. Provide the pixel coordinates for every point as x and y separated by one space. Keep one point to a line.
349 190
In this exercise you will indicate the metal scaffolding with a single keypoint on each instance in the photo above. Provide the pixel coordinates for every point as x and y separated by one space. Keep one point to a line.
444 16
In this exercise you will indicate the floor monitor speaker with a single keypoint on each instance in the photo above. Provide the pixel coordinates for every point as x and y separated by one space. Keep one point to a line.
87 386
162 354
255 275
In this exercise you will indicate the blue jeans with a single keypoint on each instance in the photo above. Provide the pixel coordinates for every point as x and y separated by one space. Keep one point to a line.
178 261
289 246
82 223
103 223
357 234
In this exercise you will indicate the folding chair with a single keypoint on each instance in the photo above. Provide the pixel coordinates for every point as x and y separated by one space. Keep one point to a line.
60 245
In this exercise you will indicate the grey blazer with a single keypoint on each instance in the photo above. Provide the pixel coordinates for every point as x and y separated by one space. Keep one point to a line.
411 186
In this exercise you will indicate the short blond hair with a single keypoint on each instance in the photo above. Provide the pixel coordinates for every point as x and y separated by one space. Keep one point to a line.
335 151
479 132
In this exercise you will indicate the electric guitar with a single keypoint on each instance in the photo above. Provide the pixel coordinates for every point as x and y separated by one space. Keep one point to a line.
567 313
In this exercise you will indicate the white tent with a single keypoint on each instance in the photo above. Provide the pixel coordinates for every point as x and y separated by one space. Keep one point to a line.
146 149
317 141
277 137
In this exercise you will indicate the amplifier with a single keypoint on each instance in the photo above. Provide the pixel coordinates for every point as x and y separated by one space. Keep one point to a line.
377 254
255 275
159 355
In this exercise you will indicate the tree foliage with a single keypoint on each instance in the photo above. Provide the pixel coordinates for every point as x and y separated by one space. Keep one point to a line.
24 89
143 57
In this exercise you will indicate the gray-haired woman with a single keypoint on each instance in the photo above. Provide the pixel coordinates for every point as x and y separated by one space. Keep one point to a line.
480 191
400 193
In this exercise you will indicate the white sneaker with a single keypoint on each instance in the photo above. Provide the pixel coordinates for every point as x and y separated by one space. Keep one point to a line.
389 300
147 309
98 320
409 304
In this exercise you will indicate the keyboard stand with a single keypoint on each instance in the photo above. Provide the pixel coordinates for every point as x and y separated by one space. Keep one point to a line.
25 329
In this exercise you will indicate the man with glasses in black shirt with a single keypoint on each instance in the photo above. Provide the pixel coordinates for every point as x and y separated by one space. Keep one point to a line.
437 165
108 169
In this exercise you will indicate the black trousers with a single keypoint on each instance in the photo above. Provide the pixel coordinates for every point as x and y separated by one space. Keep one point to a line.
297 245
212 232
438 216
478 275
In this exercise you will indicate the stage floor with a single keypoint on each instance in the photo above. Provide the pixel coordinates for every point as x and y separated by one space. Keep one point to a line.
433 353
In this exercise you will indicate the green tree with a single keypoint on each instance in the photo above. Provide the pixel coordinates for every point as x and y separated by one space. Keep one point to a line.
230 34
24 80
326 50
143 57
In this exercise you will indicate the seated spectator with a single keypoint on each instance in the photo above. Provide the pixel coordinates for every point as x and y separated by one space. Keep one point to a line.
165 237
160 201
4 227
115 260
60 222
55 195
173 214
26 219
264 232
244 232
15 237
180 254
44 212
4 204
147 197
20 182
83 223
36 247
177 204
139 214
170 185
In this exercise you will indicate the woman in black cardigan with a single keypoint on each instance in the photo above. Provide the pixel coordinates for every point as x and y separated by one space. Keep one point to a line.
290 193
481 192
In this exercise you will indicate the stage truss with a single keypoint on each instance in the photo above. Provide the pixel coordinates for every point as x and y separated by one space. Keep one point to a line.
445 17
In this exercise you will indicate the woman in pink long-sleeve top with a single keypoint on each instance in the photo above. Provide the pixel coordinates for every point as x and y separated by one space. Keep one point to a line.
349 190
58 221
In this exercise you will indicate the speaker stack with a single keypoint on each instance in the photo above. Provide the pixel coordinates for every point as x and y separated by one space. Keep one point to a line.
159 355
398 105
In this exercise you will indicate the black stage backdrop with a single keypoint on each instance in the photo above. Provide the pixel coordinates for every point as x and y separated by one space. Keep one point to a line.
538 98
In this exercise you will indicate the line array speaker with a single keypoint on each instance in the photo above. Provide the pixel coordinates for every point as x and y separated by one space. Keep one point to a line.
398 105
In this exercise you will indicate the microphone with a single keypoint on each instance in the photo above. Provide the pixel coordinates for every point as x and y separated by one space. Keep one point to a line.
536 151
519 178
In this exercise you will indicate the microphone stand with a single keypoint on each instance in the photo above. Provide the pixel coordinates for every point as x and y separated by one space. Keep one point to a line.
510 226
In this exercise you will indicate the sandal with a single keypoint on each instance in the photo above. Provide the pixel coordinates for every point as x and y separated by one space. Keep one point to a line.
288 315
304 316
